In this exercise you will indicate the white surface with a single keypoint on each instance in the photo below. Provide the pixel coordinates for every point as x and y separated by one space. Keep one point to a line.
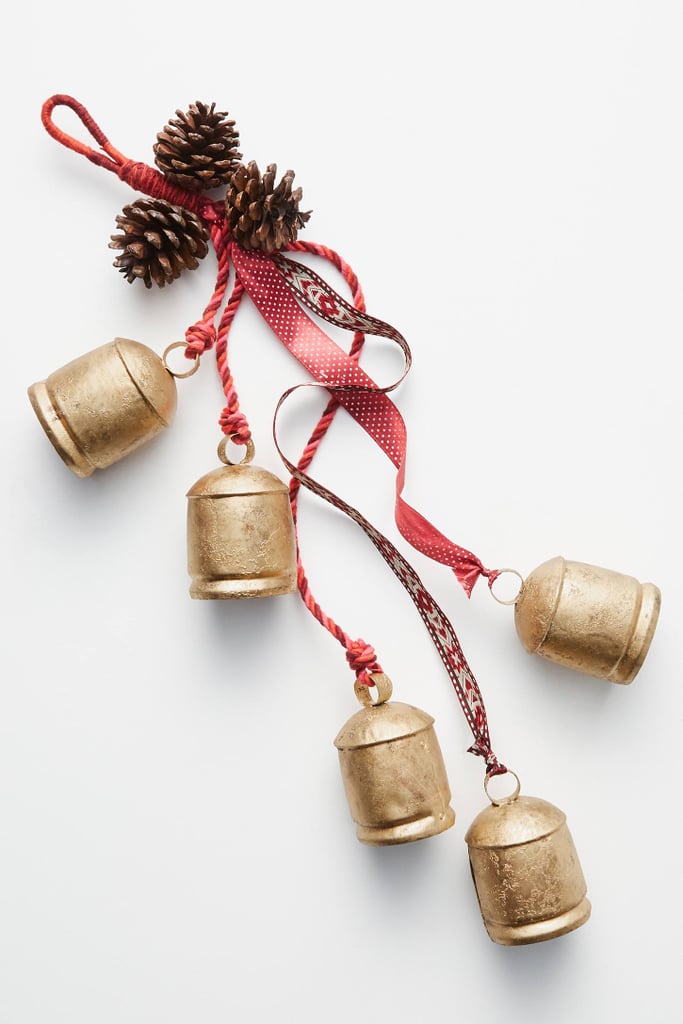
174 840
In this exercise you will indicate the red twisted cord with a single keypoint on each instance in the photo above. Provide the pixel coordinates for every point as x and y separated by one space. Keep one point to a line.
233 422
360 656
202 335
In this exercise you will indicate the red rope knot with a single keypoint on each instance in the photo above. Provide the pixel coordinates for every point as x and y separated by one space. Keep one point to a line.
363 661
234 423
199 338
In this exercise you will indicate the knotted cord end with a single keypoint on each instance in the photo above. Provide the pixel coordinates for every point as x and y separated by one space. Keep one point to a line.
200 337
234 424
363 661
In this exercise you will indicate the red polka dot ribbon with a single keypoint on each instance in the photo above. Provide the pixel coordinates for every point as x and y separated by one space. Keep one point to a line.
278 286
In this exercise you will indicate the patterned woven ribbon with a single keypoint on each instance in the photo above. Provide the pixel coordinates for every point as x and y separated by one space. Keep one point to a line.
277 285
438 625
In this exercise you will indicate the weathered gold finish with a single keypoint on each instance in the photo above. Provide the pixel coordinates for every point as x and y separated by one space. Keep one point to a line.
393 770
240 533
590 619
526 871
105 404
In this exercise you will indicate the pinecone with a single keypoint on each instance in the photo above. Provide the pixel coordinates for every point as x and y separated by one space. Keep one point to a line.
260 214
198 150
159 241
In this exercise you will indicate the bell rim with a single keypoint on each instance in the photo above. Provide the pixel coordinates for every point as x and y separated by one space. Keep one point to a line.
237 589
633 659
57 432
402 832
540 931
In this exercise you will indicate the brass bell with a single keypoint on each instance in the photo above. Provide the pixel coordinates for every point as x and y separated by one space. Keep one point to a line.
240 532
393 770
105 404
590 619
526 871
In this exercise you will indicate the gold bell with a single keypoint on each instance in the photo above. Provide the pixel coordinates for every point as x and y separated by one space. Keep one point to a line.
590 619
393 770
240 532
105 404
526 871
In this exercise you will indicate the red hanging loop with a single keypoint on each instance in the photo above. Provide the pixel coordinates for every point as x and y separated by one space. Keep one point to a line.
139 176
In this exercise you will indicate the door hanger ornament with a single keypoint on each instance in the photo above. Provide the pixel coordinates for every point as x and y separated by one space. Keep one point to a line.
105 404
242 520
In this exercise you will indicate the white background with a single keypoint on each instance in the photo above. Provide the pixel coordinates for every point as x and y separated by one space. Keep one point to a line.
175 844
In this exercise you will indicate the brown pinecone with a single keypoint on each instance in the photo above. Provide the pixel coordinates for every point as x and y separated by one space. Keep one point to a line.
263 215
159 241
198 150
